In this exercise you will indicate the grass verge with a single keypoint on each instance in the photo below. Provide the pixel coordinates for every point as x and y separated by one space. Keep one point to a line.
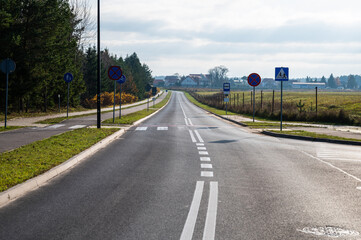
36 158
133 117
8 128
206 107
314 135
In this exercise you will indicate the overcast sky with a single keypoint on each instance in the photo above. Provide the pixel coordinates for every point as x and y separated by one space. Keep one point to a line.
311 37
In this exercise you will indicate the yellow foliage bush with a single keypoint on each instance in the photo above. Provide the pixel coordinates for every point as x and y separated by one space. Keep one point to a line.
107 99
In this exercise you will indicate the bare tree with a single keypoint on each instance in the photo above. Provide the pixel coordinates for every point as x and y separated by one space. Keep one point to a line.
218 75
84 23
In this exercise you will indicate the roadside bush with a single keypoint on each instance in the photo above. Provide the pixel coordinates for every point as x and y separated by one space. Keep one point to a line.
107 99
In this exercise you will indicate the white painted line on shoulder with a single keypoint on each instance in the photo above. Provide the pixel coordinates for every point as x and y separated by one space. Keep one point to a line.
211 219
206 174
201 148
141 128
186 121
205 159
77 126
188 228
190 122
329 164
204 165
55 126
200 144
192 136
203 152
199 136
162 128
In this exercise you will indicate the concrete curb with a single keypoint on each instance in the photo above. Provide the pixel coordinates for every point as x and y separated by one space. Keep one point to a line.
36 182
311 138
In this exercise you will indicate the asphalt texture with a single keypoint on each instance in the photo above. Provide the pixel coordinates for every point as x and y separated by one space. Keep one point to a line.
185 174
16 138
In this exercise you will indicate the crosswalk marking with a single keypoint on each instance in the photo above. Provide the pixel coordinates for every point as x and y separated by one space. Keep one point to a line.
141 128
336 155
206 174
205 159
55 126
77 126
203 165
162 128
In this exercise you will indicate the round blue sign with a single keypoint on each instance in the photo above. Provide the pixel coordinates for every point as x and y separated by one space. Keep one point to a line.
254 79
121 80
7 66
68 77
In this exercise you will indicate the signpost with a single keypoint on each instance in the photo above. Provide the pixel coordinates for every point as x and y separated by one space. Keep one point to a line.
7 66
254 80
68 77
281 74
226 92
121 80
115 73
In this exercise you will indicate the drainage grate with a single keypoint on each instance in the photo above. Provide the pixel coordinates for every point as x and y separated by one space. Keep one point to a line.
329 231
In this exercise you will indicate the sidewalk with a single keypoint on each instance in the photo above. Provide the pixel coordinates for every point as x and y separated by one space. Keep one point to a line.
31 121
352 132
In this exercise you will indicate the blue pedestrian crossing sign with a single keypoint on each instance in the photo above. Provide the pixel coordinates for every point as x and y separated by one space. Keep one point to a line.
68 77
281 74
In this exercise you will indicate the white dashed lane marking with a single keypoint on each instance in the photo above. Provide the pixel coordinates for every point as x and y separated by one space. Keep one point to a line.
201 148
204 165
203 153
206 174
205 159
141 128
200 144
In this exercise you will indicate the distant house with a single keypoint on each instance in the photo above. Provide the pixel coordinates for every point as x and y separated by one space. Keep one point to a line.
308 85
171 80
203 80
158 82
268 83
189 82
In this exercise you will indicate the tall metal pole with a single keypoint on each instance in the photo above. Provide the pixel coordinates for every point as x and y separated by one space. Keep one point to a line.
254 101
316 102
6 98
67 108
120 101
98 66
115 85
281 103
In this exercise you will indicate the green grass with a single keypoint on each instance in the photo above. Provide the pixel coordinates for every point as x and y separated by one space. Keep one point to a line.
36 158
133 117
9 128
208 108
314 135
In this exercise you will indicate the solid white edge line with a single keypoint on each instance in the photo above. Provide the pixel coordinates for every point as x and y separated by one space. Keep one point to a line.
211 219
329 164
190 122
188 228
185 119
199 136
192 136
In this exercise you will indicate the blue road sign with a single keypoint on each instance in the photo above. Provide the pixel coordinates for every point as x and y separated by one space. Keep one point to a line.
254 79
68 77
7 66
115 73
226 88
121 80
281 74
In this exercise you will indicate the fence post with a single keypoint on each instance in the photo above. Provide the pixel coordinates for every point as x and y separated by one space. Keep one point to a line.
243 100
261 99
251 99
273 101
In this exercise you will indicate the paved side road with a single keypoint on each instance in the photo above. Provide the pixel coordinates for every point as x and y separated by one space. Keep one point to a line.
13 139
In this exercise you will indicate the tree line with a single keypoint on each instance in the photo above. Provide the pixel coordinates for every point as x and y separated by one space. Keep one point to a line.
46 40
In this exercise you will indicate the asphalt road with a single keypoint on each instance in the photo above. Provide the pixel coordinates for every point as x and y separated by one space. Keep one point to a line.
13 139
184 174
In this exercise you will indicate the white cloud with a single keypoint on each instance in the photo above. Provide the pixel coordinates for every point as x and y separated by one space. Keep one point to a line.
311 37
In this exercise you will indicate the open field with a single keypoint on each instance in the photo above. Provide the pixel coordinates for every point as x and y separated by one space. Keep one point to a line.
332 107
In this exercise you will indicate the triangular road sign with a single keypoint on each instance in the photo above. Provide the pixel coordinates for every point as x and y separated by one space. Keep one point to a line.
282 75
